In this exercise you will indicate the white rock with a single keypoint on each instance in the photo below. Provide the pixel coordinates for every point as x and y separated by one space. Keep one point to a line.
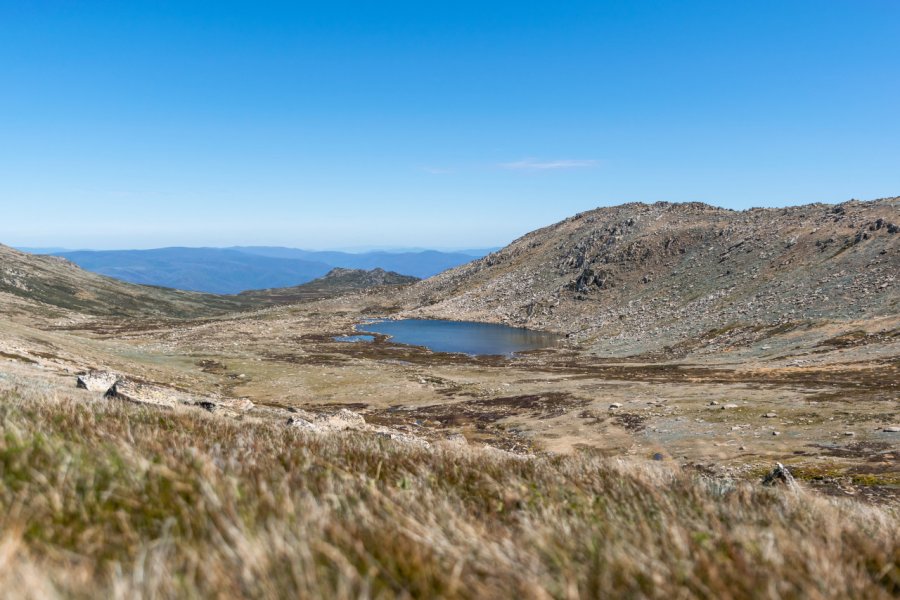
405 438
96 381
301 423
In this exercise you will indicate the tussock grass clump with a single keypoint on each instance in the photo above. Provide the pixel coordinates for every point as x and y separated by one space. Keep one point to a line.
101 497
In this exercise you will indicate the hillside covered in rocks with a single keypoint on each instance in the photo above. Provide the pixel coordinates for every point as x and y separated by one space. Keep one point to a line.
671 277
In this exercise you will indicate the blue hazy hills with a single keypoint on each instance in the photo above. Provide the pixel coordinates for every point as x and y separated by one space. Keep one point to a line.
237 269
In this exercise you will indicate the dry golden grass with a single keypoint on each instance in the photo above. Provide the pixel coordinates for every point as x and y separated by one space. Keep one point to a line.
103 498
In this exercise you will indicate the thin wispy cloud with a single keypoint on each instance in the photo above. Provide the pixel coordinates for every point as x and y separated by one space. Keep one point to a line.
533 164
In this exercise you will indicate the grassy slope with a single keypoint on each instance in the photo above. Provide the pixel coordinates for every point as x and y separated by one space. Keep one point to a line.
57 283
99 497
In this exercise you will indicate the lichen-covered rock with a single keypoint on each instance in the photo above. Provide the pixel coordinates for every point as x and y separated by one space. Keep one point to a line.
346 420
141 393
229 406
404 438
301 423
341 420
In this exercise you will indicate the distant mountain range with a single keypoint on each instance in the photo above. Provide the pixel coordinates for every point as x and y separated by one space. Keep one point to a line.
49 287
238 269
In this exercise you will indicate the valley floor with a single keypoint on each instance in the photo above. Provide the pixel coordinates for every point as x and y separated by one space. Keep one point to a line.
334 469
826 413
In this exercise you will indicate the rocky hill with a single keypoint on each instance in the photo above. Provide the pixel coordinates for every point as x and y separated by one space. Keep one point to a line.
641 278
49 283
337 282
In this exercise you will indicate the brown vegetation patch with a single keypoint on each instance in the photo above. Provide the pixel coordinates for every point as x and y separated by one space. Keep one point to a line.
481 413
19 357
630 421
855 449
543 406
859 338
881 378
315 359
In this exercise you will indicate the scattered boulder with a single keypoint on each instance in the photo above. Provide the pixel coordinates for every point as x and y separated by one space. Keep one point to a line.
238 404
770 415
120 388
456 439
345 419
894 429
301 423
615 405
779 476
228 407
96 381
342 420
141 393
406 438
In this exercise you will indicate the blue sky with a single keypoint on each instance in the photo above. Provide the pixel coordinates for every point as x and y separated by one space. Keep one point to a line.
451 124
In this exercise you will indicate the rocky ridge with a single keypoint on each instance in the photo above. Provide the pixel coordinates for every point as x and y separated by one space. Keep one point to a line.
336 282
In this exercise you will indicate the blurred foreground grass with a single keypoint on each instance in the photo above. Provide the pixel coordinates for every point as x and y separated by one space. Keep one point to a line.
104 498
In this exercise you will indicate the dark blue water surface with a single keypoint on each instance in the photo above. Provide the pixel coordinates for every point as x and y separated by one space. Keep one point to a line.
462 336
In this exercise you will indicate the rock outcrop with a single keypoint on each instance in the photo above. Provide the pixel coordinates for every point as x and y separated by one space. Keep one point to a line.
96 381
141 393
117 387
779 476
347 420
